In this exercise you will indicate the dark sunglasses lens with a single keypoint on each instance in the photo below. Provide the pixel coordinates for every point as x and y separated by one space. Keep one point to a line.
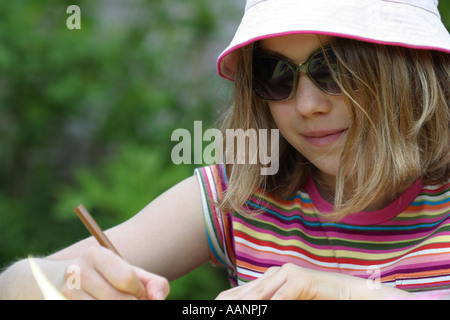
272 78
322 75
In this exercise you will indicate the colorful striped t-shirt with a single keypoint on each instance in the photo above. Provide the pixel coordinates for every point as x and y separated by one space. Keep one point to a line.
405 245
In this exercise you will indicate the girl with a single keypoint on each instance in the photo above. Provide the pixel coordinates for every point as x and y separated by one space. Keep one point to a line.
360 205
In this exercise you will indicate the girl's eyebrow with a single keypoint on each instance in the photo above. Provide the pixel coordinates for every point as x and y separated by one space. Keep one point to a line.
257 48
274 55
271 53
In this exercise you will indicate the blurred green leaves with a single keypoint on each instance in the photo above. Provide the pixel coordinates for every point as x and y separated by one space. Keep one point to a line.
122 187
444 9
86 115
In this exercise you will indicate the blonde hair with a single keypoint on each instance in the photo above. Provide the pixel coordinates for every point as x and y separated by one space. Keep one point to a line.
398 100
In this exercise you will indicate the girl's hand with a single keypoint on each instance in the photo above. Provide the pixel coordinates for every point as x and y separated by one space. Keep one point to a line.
104 275
291 282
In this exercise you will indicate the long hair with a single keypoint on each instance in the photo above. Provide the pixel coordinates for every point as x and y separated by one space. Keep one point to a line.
398 100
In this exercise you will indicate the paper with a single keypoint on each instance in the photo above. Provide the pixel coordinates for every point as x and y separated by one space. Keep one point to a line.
47 288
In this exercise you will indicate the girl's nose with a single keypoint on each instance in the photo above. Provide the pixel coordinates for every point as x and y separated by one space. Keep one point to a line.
310 101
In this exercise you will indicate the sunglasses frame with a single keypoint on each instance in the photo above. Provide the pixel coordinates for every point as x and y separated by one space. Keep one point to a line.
297 69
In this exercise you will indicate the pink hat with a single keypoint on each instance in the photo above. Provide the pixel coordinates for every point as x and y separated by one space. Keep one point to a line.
407 23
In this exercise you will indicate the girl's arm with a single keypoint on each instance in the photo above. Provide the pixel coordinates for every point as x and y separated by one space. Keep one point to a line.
163 241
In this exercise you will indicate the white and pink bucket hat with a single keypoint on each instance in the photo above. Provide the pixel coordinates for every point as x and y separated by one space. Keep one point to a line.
407 23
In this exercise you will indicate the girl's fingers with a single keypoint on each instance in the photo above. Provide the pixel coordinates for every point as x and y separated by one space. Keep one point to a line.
156 287
94 286
291 282
262 288
121 276
104 275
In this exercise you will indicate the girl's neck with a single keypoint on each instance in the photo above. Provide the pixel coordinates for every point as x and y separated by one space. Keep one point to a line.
326 186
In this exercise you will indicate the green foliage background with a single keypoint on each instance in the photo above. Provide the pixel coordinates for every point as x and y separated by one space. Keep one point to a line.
86 115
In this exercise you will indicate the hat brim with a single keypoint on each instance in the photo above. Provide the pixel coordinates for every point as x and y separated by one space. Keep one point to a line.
383 22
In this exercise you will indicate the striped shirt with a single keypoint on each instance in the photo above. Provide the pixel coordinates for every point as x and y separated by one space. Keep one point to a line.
405 245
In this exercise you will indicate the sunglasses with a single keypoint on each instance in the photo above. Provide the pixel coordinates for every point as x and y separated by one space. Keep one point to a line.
276 78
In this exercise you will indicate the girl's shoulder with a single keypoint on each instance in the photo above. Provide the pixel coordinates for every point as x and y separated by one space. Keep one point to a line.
213 179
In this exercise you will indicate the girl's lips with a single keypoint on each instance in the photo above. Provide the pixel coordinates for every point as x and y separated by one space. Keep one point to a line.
323 138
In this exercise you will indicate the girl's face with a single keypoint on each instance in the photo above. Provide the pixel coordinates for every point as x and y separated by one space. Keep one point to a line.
313 122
